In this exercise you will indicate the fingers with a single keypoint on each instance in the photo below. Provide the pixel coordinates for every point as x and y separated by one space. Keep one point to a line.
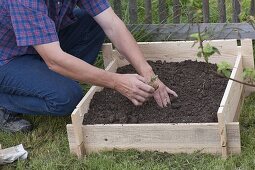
140 92
158 99
144 86
140 98
171 92
167 99
162 95
142 79
143 94
136 103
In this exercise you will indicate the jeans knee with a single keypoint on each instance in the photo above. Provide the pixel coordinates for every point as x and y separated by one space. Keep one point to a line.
65 101
101 35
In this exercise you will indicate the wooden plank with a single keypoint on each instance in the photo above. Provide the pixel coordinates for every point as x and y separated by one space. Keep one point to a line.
148 11
206 13
214 59
183 31
236 11
107 53
247 53
228 48
133 11
222 11
180 51
117 7
223 133
78 115
233 93
176 11
78 148
239 107
252 10
172 138
162 10
229 104
77 122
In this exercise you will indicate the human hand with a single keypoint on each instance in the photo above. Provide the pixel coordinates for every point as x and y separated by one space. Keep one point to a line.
161 95
134 87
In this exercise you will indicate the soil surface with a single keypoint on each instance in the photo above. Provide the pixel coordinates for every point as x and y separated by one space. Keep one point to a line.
200 93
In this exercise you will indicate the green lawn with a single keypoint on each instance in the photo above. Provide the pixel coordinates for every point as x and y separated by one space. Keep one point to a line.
48 149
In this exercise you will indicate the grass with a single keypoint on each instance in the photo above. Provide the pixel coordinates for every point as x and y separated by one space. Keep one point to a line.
48 149
48 146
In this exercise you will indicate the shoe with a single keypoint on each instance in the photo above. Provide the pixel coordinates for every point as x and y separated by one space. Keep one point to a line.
9 122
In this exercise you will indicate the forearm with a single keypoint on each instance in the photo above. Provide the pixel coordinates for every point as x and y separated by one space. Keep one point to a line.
74 68
119 35
127 46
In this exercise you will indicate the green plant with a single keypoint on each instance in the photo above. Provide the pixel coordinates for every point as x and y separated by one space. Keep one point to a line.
224 68
205 51
249 75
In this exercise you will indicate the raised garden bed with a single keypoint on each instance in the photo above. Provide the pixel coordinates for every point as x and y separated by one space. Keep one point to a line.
200 92
219 136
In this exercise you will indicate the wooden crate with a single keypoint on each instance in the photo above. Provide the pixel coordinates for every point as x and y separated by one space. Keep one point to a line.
217 138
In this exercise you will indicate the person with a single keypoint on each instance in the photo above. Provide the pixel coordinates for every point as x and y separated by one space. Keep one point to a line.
48 46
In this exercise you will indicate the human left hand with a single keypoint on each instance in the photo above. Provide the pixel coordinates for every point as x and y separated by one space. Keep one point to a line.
161 95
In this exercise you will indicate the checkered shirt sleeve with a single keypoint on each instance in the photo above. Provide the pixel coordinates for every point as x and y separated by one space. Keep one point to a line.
94 7
31 23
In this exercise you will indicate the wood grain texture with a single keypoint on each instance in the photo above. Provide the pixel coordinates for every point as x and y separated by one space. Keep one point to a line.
247 53
180 51
78 146
223 133
172 138
233 92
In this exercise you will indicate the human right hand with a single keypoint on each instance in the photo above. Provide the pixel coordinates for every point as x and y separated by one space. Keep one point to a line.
134 87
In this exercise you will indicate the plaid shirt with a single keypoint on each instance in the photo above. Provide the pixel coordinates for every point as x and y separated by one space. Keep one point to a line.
32 22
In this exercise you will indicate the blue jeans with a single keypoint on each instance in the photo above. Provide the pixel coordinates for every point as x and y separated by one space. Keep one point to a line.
28 86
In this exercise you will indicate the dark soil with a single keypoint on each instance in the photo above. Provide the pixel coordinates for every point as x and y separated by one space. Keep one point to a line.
200 92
